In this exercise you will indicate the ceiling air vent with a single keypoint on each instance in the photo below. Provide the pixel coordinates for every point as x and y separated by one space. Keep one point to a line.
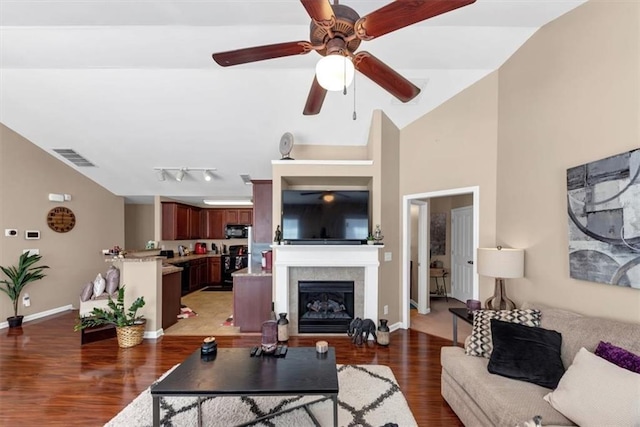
73 157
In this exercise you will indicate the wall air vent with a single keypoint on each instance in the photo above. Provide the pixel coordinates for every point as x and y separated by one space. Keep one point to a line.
74 157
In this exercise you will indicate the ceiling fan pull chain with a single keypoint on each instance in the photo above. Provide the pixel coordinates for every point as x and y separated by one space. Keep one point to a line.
354 97
344 77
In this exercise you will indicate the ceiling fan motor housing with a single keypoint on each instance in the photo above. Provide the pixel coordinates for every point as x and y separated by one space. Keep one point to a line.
343 28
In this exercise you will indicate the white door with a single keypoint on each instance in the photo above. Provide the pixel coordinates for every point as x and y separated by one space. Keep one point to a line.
462 253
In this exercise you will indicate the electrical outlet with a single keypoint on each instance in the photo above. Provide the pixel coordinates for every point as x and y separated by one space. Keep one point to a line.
26 301
385 309
10 232
387 256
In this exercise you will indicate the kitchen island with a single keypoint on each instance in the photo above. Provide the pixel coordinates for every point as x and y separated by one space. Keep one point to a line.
252 297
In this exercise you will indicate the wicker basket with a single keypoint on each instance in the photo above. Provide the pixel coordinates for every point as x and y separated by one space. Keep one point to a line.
129 336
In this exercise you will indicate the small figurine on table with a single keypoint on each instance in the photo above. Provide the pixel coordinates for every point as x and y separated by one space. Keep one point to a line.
278 237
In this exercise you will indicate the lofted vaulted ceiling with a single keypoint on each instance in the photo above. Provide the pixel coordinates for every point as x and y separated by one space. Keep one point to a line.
131 85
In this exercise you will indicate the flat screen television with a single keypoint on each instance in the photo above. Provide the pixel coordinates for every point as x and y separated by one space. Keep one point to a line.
314 217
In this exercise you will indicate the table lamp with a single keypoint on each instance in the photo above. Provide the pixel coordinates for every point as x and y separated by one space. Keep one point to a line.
501 263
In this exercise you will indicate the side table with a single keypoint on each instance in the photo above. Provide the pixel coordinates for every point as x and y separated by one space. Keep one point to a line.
461 313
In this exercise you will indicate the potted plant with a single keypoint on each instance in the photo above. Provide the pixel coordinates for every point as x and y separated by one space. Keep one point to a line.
129 325
370 239
19 277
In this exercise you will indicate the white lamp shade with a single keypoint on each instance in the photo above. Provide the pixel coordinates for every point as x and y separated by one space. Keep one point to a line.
330 72
502 263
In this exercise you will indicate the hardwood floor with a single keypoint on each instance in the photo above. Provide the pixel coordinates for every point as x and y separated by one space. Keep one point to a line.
47 378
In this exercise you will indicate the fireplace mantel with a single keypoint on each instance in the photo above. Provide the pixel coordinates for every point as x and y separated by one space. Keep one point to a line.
363 256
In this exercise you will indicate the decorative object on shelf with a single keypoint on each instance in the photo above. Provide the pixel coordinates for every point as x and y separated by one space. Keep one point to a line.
377 235
501 263
283 327
269 340
360 329
129 325
286 145
278 236
370 239
61 219
151 244
473 305
19 277
383 333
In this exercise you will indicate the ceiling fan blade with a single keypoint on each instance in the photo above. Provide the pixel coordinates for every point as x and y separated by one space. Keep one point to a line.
385 76
260 53
315 99
320 11
400 14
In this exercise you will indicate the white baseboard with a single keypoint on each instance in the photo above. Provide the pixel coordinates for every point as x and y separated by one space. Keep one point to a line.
152 335
40 315
395 326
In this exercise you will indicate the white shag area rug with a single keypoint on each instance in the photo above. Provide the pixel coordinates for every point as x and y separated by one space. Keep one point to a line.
369 396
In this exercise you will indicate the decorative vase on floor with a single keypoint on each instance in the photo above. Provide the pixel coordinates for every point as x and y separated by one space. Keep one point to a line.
283 328
383 332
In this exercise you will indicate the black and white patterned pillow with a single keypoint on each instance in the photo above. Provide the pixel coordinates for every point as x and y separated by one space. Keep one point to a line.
480 343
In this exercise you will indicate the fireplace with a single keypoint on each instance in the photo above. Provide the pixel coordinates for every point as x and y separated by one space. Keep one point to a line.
325 306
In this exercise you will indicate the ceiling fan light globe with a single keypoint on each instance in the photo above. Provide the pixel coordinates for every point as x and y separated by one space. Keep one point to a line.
334 72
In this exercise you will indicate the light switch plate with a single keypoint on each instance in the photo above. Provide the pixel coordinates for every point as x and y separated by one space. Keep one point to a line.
387 256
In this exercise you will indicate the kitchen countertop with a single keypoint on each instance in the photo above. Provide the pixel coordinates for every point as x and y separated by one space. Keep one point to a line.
170 269
254 269
186 258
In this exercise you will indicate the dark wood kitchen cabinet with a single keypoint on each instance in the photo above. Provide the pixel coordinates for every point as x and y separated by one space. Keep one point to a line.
251 302
212 223
180 222
198 274
239 216
194 223
171 292
175 221
263 228
215 270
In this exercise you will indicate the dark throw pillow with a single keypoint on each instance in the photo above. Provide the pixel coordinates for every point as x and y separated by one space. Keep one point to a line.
526 353
619 356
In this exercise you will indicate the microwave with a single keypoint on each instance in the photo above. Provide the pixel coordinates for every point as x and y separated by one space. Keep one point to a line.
236 231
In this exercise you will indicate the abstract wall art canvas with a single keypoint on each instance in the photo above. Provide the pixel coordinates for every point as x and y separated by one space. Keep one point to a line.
603 199
438 231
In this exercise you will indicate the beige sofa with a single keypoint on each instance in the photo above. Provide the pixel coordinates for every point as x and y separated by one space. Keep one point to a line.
480 398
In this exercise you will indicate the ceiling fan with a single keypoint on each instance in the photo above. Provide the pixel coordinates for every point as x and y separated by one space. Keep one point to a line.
336 33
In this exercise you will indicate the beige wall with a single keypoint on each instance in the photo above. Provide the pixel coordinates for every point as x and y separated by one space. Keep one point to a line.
570 96
455 146
138 226
389 276
74 257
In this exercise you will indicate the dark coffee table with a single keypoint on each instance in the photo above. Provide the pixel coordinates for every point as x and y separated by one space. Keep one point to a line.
233 372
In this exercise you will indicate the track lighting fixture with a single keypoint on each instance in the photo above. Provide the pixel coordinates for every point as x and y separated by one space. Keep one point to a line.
181 172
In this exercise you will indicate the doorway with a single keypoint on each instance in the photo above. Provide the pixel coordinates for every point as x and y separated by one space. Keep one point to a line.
421 202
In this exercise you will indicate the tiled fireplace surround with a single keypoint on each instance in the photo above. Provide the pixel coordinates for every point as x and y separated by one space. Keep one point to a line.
326 262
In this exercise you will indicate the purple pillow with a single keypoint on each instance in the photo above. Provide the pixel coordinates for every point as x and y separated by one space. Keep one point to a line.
619 356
